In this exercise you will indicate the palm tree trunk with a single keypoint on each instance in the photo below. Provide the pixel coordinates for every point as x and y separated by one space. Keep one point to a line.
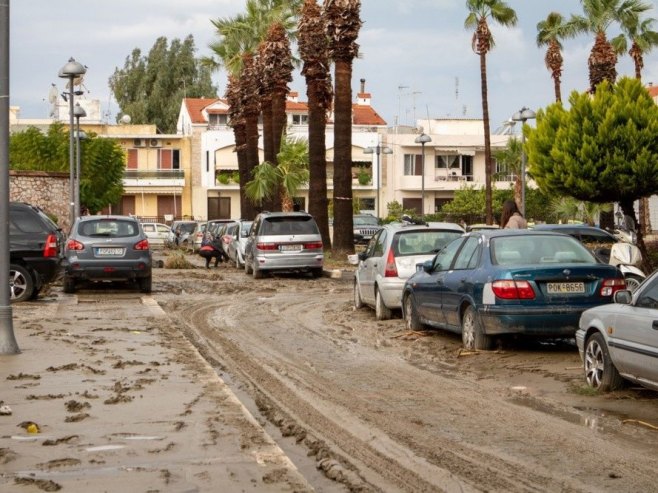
251 138
278 127
488 196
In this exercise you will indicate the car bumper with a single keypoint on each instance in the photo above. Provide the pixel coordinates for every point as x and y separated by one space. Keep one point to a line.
283 261
541 322
390 290
116 271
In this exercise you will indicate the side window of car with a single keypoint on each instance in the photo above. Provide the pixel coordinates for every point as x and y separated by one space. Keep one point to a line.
648 298
444 258
468 255
148 228
379 244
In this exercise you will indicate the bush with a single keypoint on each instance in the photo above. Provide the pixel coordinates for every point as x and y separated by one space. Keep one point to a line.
178 261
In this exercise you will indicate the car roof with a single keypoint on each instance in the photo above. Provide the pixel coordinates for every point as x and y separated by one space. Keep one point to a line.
415 227
96 217
495 233
285 214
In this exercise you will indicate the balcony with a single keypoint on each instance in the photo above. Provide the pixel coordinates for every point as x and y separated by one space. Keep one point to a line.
154 178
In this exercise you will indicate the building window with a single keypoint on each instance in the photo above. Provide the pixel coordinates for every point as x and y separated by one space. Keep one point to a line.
168 159
132 159
448 161
216 120
413 165
300 119
503 173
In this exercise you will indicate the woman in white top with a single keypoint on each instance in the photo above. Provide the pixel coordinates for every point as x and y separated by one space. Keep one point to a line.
511 217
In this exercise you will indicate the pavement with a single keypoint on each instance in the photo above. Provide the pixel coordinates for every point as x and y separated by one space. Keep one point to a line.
107 395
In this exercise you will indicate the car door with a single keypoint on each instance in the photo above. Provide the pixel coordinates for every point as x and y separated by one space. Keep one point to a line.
634 338
458 282
428 289
369 267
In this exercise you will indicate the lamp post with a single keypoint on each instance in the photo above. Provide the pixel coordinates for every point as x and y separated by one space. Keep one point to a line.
377 150
70 71
422 139
523 115
78 112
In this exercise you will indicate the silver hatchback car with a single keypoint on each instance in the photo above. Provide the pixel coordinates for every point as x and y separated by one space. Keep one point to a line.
391 258
284 241
107 249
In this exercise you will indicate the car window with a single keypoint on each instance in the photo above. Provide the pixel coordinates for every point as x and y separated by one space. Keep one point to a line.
25 222
365 221
539 249
148 228
286 225
444 258
163 229
108 227
468 256
422 242
244 229
648 298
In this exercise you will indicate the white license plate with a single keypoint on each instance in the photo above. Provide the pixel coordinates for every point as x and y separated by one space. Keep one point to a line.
290 248
565 287
109 252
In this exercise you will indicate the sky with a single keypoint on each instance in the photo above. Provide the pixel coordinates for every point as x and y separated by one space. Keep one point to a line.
415 56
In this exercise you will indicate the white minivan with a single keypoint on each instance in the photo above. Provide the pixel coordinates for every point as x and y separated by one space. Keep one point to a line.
157 233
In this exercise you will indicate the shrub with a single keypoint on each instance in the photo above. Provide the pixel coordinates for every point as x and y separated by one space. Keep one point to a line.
178 261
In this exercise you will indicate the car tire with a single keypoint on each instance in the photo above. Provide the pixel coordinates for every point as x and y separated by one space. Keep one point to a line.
145 284
600 372
68 285
247 267
473 336
257 273
358 301
412 320
382 312
632 282
21 283
316 273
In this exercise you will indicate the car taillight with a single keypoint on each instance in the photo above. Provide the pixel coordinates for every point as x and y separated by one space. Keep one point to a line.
50 248
267 246
611 286
74 245
391 269
513 290
316 245
142 245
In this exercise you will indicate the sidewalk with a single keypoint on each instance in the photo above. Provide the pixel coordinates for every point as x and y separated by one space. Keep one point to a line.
124 403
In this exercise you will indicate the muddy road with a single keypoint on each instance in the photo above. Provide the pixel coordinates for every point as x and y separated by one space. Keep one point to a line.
381 409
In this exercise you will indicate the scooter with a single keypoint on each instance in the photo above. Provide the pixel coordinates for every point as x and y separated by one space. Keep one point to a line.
627 257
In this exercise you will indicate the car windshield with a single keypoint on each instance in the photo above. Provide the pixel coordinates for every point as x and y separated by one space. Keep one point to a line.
186 227
365 221
300 225
423 242
244 229
539 249
108 227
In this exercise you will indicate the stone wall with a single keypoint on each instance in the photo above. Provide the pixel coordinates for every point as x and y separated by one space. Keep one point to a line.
47 190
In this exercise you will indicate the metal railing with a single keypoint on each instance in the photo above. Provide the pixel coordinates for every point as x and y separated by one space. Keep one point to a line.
164 174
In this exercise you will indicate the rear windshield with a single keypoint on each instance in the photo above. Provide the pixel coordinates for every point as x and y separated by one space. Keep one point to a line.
365 221
302 225
423 242
26 221
109 228
186 227
536 249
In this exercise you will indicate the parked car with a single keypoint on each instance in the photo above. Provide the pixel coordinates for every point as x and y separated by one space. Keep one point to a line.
391 257
182 231
235 248
225 236
284 241
365 226
157 233
496 283
107 249
606 247
36 246
211 227
619 341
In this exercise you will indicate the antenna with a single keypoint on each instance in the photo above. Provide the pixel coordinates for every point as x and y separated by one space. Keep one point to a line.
413 95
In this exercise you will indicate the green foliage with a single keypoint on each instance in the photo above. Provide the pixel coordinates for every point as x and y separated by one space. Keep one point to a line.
223 178
32 150
564 209
603 149
395 211
363 176
150 88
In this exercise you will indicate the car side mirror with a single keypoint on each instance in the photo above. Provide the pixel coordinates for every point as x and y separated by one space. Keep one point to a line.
426 266
363 256
623 297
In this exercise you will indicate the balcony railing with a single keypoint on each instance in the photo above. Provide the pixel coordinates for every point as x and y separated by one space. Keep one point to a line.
153 174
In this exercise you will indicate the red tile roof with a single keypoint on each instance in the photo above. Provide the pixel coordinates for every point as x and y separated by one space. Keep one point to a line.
653 91
195 107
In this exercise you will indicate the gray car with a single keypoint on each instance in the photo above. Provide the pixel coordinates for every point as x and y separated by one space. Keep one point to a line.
107 249
619 340
284 241
391 257
239 233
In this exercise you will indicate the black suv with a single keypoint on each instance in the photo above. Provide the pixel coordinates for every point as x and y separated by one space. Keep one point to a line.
365 227
36 247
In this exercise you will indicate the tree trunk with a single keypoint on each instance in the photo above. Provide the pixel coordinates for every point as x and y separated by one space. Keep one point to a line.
343 222
251 136
488 196
278 127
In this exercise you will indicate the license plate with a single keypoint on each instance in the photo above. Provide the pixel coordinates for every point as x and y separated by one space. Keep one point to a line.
109 252
565 287
290 248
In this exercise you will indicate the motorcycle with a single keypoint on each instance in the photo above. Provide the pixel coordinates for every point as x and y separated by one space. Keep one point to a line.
626 257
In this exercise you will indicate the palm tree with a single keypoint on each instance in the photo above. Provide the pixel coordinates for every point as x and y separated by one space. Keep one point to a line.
509 159
482 43
342 25
283 180
599 16
550 32
313 52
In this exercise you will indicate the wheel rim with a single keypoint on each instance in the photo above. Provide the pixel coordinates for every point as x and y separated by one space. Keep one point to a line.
468 330
17 284
632 283
594 364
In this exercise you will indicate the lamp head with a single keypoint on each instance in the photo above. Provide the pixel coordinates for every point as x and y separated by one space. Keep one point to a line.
79 111
72 69
368 150
423 139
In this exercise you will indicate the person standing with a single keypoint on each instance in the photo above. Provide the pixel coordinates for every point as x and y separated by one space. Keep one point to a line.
511 217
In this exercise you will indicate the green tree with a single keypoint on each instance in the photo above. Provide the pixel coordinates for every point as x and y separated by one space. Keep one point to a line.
550 33
568 208
342 24
482 43
603 149
150 88
509 159
34 150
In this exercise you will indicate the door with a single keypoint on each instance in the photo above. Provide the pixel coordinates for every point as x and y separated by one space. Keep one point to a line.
373 263
458 282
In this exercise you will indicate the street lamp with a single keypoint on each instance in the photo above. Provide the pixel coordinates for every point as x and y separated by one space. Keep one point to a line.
422 139
378 149
523 115
78 112
71 71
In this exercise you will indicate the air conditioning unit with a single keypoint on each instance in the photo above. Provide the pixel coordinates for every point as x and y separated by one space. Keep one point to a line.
139 142
155 143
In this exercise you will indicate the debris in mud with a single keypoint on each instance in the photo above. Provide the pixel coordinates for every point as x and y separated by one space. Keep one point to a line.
30 426
411 335
641 423
275 476
7 455
73 406
59 463
68 367
118 398
57 441
23 376
33 397
42 484
5 410
123 364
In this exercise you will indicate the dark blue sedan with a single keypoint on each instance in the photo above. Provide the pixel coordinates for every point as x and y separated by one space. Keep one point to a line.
492 283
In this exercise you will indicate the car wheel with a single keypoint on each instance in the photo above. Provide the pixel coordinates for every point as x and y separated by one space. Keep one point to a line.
600 372
317 273
382 312
258 274
473 336
21 284
68 285
358 302
247 267
632 282
411 317
35 293
145 284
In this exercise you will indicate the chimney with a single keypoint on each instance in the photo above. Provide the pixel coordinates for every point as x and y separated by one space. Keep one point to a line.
363 85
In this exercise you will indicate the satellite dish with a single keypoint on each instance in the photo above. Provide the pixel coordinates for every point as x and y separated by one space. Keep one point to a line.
125 119
53 94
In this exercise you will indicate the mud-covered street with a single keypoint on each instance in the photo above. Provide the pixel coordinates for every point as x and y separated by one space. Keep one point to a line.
378 408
